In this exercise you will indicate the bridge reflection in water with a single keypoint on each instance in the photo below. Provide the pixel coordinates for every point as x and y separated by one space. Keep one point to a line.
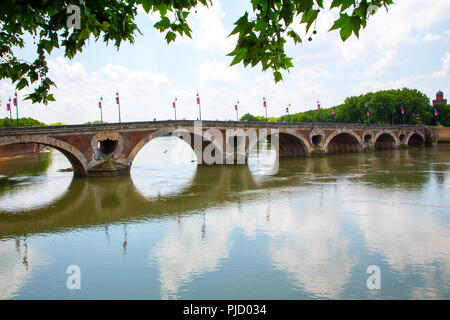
310 231
106 200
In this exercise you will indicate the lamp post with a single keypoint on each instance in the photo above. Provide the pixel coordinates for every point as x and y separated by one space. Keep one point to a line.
8 108
16 104
199 107
174 105
118 104
318 108
403 115
368 113
101 110
265 107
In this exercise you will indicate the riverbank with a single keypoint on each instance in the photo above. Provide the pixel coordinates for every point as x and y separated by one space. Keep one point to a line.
21 149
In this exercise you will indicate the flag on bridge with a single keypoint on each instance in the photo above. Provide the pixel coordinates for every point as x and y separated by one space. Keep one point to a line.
318 105
173 104
100 104
235 107
333 112
436 113
264 103
198 99
403 111
287 110
15 102
117 98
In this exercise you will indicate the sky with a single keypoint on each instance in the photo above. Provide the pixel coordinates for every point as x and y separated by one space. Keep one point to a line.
405 47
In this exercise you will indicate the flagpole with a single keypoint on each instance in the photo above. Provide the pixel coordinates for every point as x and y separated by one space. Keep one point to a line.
265 107
237 112
175 108
118 104
318 108
17 109
10 112
199 107
101 110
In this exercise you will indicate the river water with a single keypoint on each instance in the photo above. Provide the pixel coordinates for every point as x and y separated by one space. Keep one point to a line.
311 230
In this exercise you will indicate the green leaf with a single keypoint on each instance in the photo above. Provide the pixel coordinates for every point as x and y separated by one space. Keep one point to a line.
170 36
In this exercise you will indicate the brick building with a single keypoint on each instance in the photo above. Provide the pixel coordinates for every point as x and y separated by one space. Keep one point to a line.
439 99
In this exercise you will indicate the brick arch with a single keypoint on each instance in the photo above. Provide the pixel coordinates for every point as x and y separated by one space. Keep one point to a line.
389 133
408 137
294 140
199 153
338 132
75 157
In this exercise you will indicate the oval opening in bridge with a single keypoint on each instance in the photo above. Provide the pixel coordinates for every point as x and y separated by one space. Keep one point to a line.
317 140
165 166
107 146
368 138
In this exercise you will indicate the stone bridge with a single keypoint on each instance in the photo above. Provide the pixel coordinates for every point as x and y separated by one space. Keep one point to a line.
110 149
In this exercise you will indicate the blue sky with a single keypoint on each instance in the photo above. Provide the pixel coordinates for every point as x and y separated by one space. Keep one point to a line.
406 47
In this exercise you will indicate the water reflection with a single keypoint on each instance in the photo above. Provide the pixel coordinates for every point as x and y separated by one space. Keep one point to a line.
32 181
310 231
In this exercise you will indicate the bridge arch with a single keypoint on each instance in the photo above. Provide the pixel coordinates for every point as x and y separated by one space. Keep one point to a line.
415 139
288 144
75 157
188 135
385 139
343 141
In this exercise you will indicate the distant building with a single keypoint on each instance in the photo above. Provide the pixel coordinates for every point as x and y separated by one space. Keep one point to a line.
439 99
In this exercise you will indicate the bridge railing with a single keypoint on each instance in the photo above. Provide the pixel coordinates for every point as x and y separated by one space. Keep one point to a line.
206 123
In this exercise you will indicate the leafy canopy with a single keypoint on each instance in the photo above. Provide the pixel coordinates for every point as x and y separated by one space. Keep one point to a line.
261 34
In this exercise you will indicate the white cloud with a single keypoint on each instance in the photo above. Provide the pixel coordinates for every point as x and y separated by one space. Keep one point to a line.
445 71
429 37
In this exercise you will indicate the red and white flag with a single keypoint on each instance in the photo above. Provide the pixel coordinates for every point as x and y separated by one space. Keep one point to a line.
173 104
198 99
8 107
403 111
15 102
117 100
436 113
99 104
318 105
287 110
265 103
368 114
235 107
333 112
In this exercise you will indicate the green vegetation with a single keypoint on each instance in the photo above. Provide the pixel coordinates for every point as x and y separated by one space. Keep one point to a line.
444 115
385 107
95 122
69 25
23 122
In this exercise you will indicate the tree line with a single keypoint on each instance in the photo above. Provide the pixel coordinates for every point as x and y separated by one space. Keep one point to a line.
381 107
